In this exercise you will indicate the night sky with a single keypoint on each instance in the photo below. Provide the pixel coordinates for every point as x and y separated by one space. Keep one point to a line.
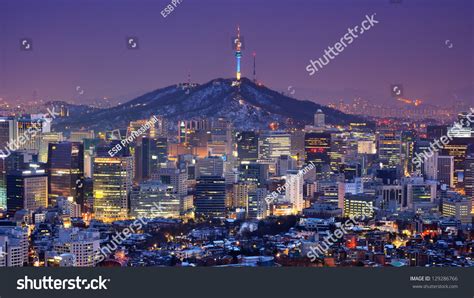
83 43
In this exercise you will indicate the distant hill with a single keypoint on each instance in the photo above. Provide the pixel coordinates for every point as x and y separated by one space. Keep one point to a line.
248 106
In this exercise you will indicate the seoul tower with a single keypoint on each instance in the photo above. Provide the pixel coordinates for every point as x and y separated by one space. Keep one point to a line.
238 53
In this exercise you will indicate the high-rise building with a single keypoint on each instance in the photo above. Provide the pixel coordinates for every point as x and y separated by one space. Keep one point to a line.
46 139
418 192
210 166
459 208
297 146
254 173
284 164
358 205
445 169
247 146
389 148
240 194
210 196
112 184
407 149
469 177
66 170
154 199
458 148
436 131
294 190
150 153
317 148
8 132
32 131
392 197
27 189
220 143
256 206
319 119
83 244
273 144
176 178
13 246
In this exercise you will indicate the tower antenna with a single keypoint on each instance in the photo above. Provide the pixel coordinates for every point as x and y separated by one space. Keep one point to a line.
254 68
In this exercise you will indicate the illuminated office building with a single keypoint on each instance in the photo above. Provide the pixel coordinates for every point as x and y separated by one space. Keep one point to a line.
458 149
360 205
272 145
257 206
27 189
469 177
253 173
459 208
46 139
210 166
240 194
32 131
66 170
112 184
154 199
389 148
294 190
317 148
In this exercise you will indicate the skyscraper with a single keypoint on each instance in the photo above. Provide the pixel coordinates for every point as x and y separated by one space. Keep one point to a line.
319 119
112 185
389 148
210 196
273 144
469 177
154 199
294 190
46 139
66 170
247 146
8 132
27 189
210 166
317 147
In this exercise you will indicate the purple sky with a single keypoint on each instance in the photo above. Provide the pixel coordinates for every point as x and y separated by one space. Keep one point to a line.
83 43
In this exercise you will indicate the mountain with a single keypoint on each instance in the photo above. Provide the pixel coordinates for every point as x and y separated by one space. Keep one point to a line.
248 106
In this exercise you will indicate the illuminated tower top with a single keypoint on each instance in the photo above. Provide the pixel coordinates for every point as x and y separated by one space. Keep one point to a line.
238 52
